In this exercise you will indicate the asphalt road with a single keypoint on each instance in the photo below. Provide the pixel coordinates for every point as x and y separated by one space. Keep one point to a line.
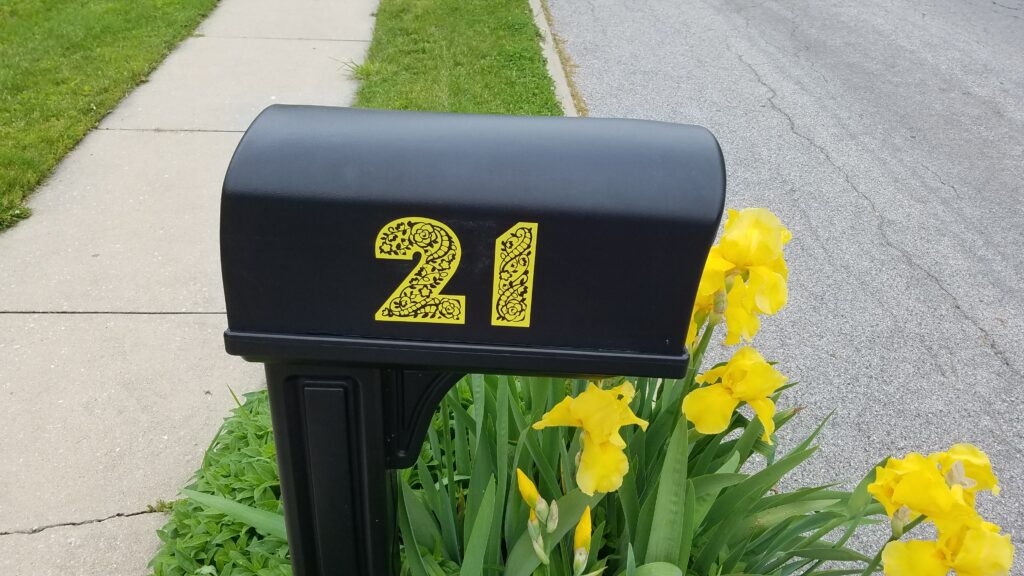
889 136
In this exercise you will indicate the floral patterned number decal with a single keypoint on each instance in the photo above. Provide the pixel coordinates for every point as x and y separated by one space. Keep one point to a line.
513 275
419 298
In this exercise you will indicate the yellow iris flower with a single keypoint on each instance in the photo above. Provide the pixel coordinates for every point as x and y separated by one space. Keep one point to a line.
915 482
753 242
753 237
941 486
746 377
748 268
973 548
973 465
600 413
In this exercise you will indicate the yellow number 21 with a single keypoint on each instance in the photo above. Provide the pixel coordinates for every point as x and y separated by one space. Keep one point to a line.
419 299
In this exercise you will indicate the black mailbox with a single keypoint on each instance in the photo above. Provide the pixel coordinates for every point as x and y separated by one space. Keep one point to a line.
370 258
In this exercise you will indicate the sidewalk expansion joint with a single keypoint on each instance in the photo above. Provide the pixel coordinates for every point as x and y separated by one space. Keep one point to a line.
210 130
283 39
39 529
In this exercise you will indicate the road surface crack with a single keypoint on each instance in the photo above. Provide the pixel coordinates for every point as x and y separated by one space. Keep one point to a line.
941 181
987 338
38 529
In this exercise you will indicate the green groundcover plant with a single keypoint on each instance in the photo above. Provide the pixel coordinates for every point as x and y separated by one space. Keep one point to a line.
642 477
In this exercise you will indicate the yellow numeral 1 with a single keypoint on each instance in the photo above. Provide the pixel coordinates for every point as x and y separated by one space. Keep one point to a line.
514 256
418 298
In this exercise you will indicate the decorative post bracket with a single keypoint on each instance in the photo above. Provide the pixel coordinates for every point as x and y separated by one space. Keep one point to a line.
413 396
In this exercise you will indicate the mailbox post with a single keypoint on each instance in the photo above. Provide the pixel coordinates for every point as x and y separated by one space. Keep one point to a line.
372 258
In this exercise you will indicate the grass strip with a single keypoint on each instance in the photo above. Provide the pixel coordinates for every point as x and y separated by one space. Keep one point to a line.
476 56
64 64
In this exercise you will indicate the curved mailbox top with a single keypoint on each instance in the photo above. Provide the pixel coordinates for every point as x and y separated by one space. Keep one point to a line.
467 242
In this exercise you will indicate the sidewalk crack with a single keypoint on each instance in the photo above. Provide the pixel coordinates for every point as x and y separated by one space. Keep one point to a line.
38 529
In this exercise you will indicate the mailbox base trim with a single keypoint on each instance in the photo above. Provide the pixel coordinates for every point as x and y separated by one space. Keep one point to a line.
264 347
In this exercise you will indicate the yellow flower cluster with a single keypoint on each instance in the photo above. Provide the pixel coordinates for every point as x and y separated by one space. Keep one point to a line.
744 277
746 377
600 413
942 487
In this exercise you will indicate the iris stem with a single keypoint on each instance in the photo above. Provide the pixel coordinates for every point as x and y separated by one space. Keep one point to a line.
697 358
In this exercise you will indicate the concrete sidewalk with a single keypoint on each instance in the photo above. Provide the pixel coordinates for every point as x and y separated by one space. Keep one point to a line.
113 376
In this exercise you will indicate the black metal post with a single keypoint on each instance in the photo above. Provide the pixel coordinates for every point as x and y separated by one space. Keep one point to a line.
337 440
329 432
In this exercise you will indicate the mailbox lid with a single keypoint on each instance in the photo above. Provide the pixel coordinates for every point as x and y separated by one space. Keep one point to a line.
623 214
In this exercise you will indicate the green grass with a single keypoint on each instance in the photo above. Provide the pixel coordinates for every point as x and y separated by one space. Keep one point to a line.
479 56
64 64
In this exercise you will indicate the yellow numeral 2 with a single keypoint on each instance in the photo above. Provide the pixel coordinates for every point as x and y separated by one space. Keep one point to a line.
419 298
514 255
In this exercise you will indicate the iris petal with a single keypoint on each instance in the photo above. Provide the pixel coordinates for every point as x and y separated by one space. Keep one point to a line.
913 558
560 415
984 552
602 467
976 465
710 408
765 410
741 319
925 491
